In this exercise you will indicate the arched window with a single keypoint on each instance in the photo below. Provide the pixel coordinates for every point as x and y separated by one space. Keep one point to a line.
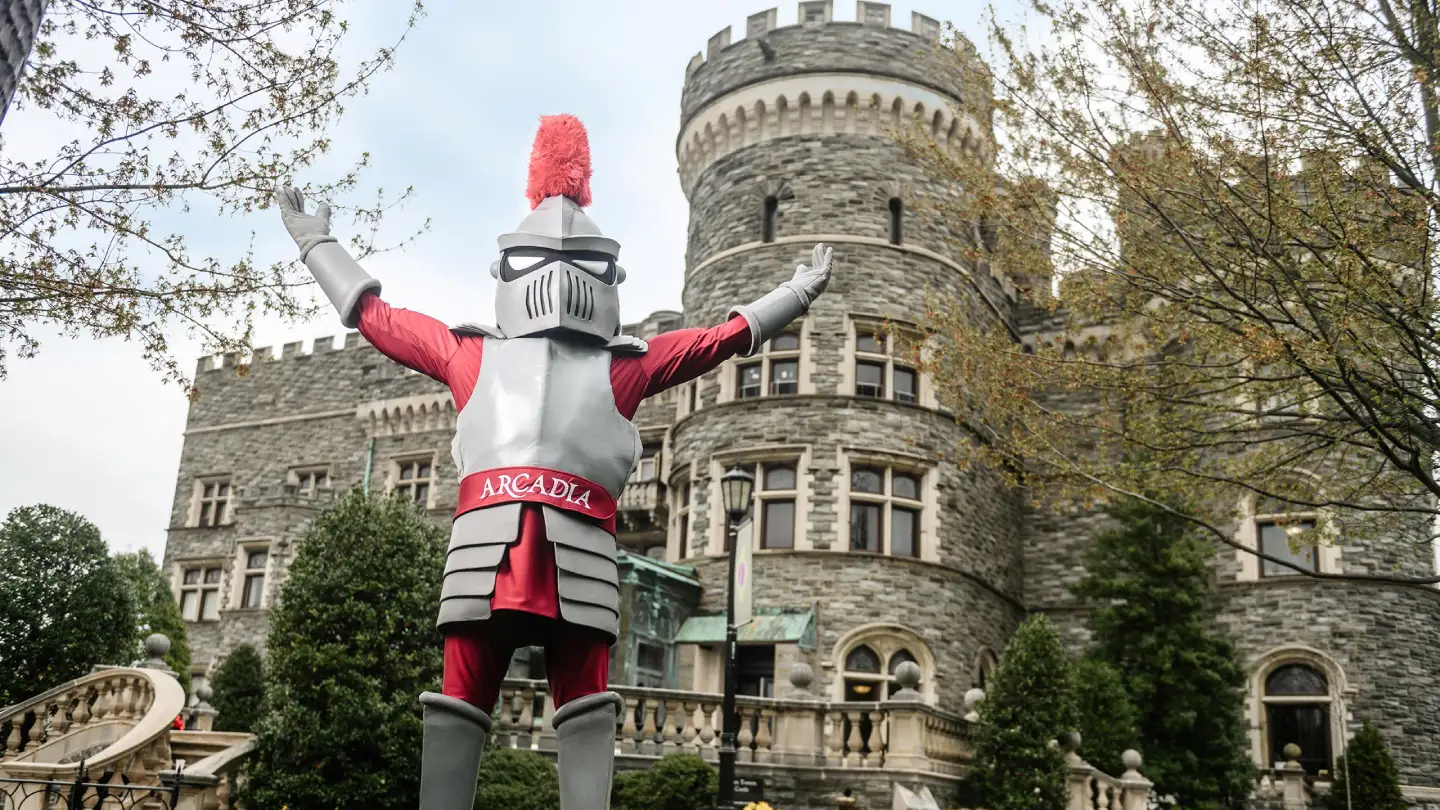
871 677
985 664
896 211
1297 705
771 218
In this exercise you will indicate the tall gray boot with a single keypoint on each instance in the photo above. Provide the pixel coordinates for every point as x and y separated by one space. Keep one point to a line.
455 735
585 737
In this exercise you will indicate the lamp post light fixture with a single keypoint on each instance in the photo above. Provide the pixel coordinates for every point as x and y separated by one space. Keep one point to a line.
736 489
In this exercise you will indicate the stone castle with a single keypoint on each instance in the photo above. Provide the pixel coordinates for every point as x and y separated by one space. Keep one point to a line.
871 550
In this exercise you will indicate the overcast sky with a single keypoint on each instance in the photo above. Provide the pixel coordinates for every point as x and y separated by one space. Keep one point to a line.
88 426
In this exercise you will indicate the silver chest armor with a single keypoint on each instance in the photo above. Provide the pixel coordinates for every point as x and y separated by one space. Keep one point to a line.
546 403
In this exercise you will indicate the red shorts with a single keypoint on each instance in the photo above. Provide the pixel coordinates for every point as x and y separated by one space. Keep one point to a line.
526 611
477 655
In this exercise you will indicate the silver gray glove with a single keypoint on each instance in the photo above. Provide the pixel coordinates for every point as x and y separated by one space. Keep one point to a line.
809 282
308 230
341 278
775 310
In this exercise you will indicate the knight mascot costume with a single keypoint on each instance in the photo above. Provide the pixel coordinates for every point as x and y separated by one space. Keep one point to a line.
543 446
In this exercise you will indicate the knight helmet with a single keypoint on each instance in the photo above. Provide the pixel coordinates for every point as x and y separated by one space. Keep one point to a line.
556 271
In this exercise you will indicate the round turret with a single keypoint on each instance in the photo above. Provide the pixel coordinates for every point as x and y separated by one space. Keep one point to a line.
788 139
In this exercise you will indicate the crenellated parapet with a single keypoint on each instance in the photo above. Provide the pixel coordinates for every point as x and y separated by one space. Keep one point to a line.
266 354
823 76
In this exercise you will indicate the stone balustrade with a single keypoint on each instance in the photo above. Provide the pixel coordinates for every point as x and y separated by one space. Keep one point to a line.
113 729
640 496
902 734
1092 789
114 716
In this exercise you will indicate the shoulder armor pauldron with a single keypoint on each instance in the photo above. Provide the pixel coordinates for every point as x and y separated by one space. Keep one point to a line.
627 344
477 330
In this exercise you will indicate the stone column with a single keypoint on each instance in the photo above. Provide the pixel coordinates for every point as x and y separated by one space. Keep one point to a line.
202 714
1294 793
1135 788
907 719
800 726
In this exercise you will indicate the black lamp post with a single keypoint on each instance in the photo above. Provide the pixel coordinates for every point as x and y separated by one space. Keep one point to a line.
736 489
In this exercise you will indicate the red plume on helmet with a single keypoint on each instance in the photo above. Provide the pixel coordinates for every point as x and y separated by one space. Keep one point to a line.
560 161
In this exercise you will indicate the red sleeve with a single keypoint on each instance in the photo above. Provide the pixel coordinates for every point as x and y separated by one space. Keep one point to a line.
680 356
413 340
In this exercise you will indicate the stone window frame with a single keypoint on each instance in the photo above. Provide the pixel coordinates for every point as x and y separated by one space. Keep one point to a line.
886 639
870 326
200 496
309 479
201 585
1248 533
682 515
802 356
243 574
394 480
1340 696
925 470
796 456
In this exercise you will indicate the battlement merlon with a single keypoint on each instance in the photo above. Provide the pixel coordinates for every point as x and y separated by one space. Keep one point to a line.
819 43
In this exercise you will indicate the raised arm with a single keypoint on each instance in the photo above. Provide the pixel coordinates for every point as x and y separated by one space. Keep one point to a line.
682 355
413 340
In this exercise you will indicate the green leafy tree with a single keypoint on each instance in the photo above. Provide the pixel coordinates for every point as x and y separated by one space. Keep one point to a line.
1017 766
514 779
676 782
156 611
64 604
1242 229
1366 777
239 686
352 644
1104 715
1149 580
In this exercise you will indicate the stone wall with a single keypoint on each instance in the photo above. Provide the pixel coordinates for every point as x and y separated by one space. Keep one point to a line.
834 183
833 47
1384 640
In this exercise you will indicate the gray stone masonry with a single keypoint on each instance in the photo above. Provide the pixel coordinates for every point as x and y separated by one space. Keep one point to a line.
836 47
996 559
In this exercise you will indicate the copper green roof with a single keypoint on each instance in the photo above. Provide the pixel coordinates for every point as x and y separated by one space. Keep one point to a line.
683 573
770 626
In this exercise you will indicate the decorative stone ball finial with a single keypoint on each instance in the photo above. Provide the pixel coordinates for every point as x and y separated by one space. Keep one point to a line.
908 676
1070 741
1131 760
973 699
203 693
801 676
157 645
1291 752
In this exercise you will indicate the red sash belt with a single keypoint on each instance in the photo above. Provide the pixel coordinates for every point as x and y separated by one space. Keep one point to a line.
536 485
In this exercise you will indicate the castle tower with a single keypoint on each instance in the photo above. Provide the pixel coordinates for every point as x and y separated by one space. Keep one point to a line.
870 547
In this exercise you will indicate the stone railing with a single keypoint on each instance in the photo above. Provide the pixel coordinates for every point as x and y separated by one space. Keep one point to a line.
901 734
115 718
114 730
1093 789
1284 787
640 496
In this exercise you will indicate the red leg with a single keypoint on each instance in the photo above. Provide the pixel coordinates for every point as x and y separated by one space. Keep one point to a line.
475 664
578 662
